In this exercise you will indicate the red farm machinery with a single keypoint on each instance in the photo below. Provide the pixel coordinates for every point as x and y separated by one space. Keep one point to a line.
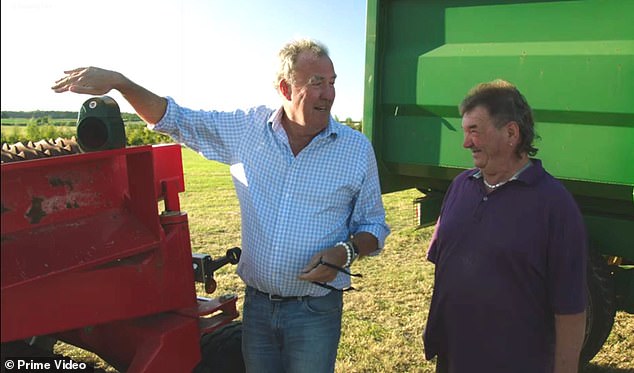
88 259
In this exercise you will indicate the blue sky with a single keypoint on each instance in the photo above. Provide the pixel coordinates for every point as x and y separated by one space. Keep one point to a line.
207 54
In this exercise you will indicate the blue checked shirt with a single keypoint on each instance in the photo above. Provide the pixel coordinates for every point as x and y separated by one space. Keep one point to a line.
292 207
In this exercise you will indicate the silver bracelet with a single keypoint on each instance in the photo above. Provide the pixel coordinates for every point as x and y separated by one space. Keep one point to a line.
349 252
355 251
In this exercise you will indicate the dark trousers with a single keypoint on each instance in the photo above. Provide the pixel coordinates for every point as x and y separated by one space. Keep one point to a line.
442 365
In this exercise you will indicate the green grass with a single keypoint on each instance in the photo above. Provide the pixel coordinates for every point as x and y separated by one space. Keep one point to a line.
382 322
8 130
14 122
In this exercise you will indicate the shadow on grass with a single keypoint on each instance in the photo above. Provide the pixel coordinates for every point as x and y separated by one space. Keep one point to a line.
595 368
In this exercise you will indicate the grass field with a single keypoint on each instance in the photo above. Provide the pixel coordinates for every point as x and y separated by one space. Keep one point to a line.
18 125
10 129
383 321
20 130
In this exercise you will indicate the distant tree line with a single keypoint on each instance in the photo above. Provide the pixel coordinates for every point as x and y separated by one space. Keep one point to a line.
136 134
357 125
37 114
42 117
41 125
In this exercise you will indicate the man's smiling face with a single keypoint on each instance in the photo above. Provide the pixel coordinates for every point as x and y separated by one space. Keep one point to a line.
312 92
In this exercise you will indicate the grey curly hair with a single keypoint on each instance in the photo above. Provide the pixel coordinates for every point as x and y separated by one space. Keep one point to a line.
288 57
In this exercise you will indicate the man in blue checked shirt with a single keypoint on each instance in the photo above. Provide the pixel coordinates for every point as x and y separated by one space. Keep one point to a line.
309 196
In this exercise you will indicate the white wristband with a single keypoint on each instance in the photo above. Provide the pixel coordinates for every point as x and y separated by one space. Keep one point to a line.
349 253
355 251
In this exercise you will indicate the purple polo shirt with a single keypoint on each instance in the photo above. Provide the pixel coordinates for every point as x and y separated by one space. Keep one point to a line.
506 263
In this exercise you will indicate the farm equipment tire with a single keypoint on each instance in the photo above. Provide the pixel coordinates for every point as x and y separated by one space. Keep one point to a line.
222 350
19 349
601 306
22 349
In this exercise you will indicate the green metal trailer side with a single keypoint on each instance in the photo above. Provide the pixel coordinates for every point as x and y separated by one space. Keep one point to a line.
574 62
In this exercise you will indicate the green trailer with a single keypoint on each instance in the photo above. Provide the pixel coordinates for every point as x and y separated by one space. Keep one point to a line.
574 62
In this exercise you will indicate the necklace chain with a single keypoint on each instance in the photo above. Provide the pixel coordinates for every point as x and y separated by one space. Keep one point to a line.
494 186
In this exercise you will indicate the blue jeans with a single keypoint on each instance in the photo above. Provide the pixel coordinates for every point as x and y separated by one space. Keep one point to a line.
292 336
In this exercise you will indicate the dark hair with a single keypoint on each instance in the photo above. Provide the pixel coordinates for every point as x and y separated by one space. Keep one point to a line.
505 103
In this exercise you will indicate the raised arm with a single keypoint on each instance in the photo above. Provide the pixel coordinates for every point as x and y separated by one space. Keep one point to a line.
96 81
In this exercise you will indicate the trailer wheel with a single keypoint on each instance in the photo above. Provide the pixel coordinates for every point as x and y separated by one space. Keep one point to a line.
23 349
222 350
41 346
601 306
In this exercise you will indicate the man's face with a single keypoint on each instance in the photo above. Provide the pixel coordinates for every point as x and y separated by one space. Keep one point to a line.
489 145
313 92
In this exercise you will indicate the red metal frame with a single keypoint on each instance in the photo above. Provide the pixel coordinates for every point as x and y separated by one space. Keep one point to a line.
86 254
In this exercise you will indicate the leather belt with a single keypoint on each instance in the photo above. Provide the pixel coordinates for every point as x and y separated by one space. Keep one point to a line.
279 298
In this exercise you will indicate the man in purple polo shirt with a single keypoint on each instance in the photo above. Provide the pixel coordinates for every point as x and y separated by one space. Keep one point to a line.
510 252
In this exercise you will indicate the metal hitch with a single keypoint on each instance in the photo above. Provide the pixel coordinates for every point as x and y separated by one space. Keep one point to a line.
204 267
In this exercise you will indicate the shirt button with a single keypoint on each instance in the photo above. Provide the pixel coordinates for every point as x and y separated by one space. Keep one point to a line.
485 198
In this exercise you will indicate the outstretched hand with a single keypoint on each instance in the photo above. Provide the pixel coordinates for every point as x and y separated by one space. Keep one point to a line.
88 80
316 272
